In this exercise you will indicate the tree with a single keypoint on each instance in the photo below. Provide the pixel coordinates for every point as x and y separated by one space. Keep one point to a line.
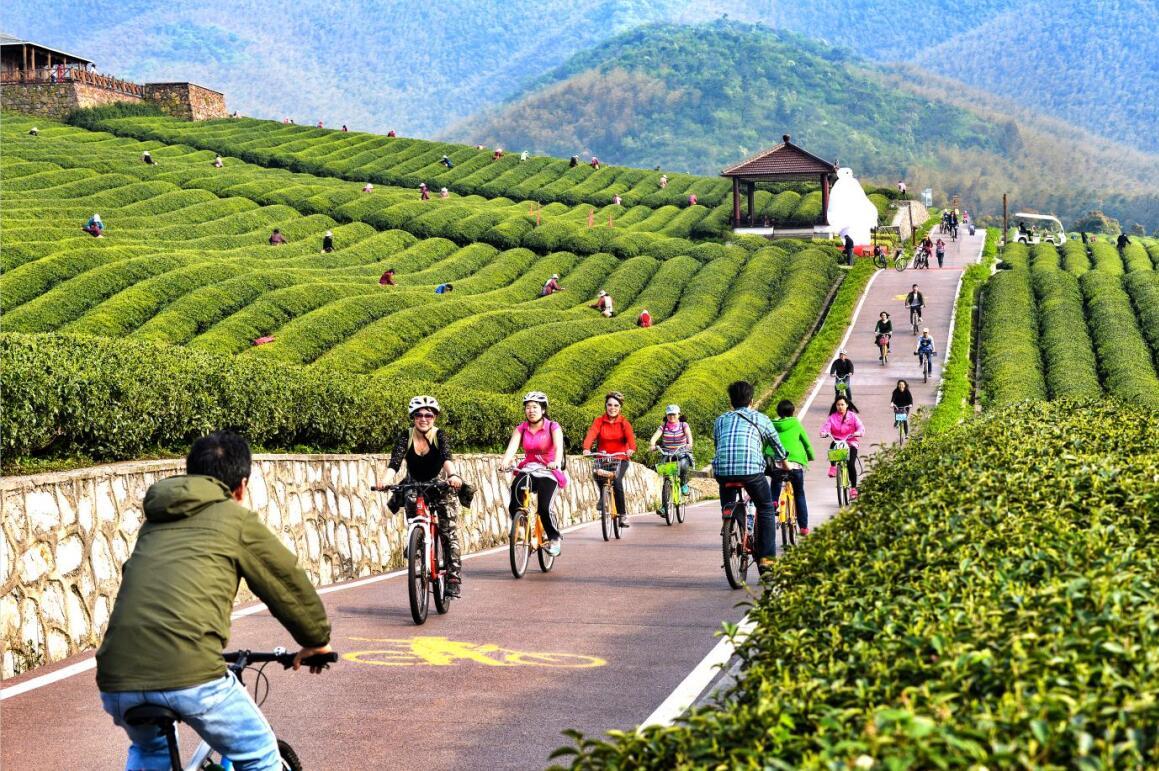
1096 222
1138 230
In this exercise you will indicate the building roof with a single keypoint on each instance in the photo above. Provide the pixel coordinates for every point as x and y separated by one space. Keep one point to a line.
784 160
12 40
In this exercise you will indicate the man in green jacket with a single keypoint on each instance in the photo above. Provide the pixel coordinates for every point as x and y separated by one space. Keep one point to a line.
796 442
171 619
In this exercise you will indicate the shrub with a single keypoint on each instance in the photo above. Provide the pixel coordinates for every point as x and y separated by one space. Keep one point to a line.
1124 359
1067 353
1011 365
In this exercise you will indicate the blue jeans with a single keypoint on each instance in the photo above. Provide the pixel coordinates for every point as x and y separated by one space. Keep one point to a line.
220 711
757 486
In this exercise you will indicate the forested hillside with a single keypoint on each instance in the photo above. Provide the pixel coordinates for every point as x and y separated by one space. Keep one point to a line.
699 98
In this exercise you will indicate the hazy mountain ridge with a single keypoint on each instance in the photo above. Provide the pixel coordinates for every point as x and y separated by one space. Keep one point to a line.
888 123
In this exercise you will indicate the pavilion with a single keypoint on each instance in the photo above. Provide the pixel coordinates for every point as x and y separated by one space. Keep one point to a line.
784 163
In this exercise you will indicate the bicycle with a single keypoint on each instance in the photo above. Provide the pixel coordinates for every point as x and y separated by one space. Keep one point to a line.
787 510
926 362
738 536
606 466
237 661
672 505
901 423
841 387
883 348
915 318
527 533
921 259
428 563
839 454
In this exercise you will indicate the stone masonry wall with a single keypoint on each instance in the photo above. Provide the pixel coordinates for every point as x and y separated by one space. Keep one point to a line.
66 534
187 101
55 100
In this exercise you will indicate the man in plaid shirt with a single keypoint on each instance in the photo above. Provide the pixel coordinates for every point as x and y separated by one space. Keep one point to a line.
740 436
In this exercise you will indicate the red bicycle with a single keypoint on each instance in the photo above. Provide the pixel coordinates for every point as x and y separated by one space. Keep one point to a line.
428 562
738 536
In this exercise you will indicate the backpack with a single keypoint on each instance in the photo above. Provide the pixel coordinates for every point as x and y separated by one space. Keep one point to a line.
551 426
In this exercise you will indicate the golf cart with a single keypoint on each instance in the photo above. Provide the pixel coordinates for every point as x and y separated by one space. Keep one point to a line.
1036 229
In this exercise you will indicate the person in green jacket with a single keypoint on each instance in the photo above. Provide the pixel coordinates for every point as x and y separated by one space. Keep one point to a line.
171 619
796 441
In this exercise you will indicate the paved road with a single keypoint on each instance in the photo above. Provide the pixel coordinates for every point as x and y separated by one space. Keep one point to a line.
873 383
633 618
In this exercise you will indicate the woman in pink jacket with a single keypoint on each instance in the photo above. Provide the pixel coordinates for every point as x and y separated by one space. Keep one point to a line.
844 425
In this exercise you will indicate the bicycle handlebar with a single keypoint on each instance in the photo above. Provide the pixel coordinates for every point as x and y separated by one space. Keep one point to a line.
280 655
611 455
436 484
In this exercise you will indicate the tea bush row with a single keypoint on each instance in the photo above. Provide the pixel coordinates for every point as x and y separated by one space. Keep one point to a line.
1067 353
1125 362
1011 363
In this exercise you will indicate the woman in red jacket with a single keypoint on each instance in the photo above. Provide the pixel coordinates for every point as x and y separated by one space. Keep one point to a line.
612 433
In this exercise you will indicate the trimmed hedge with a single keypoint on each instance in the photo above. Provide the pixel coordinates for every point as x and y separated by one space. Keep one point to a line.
1011 363
1143 288
950 619
1125 362
1067 353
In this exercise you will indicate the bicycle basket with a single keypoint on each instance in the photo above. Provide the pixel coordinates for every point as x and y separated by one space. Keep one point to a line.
668 469
901 417
838 454
605 467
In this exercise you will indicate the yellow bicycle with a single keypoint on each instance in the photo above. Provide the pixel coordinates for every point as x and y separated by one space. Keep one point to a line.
787 511
527 533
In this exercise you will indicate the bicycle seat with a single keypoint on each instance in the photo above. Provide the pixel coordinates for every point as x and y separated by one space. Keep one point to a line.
734 485
145 714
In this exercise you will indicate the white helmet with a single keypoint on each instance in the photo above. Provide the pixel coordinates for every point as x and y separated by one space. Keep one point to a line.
673 409
536 396
418 402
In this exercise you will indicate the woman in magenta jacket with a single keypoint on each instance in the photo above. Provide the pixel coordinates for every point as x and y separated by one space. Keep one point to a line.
844 425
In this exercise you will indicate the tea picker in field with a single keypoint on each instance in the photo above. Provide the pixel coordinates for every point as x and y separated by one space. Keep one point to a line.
147 158
644 320
424 192
368 187
523 156
595 164
551 286
328 242
444 288
446 161
387 278
663 181
34 132
277 238
573 162
217 162
444 193
94 227
604 304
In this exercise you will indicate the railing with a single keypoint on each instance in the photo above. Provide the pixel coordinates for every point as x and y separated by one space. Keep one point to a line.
62 74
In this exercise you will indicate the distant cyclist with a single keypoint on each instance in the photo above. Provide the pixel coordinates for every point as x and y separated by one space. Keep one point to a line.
844 425
800 452
925 347
915 301
883 328
612 433
842 371
740 436
428 454
674 437
541 440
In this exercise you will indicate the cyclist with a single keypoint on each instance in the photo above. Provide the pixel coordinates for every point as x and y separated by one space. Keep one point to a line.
427 451
612 433
925 347
800 452
541 440
675 438
842 369
844 425
915 301
901 400
883 327
740 436
171 618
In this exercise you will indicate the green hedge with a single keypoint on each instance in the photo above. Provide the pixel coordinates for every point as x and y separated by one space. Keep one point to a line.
987 603
1011 363
1125 362
1143 288
1067 353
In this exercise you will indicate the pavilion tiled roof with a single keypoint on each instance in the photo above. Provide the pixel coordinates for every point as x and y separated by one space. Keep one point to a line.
11 40
784 159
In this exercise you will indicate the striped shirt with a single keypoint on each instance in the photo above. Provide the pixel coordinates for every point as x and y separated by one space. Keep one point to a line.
739 443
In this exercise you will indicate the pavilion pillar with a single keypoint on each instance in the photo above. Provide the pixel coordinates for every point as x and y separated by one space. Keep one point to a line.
735 202
752 192
824 199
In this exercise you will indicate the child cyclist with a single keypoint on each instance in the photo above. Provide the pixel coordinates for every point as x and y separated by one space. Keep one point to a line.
674 437
796 441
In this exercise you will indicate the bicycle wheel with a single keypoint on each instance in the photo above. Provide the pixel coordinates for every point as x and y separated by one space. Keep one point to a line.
605 524
681 509
290 761
613 511
879 261
925 369
546 560
789 525
439 587
520 544
418 584
899 263
732 545
666 504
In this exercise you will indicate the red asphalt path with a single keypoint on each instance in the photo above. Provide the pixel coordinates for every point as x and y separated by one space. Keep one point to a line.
638 614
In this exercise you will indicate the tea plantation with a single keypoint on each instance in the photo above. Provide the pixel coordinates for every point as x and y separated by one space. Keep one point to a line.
1082 323
185 262
989 602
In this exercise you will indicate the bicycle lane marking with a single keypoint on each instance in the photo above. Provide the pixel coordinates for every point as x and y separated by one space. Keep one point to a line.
87 665
441 651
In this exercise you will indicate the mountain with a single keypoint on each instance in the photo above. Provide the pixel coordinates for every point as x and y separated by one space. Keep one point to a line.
698 98
420 67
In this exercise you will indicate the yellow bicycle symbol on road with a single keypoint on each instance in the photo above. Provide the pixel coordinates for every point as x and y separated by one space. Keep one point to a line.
442 652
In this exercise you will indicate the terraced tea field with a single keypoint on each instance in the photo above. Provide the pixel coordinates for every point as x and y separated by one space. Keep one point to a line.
1073 324
185 262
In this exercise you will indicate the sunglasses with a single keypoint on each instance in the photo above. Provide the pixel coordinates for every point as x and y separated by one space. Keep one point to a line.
424 414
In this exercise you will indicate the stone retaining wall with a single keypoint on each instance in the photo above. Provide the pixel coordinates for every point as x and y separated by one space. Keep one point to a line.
187 101
901 219
66 534
56 100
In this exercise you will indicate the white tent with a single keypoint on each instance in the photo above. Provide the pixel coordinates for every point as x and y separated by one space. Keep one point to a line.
850 210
